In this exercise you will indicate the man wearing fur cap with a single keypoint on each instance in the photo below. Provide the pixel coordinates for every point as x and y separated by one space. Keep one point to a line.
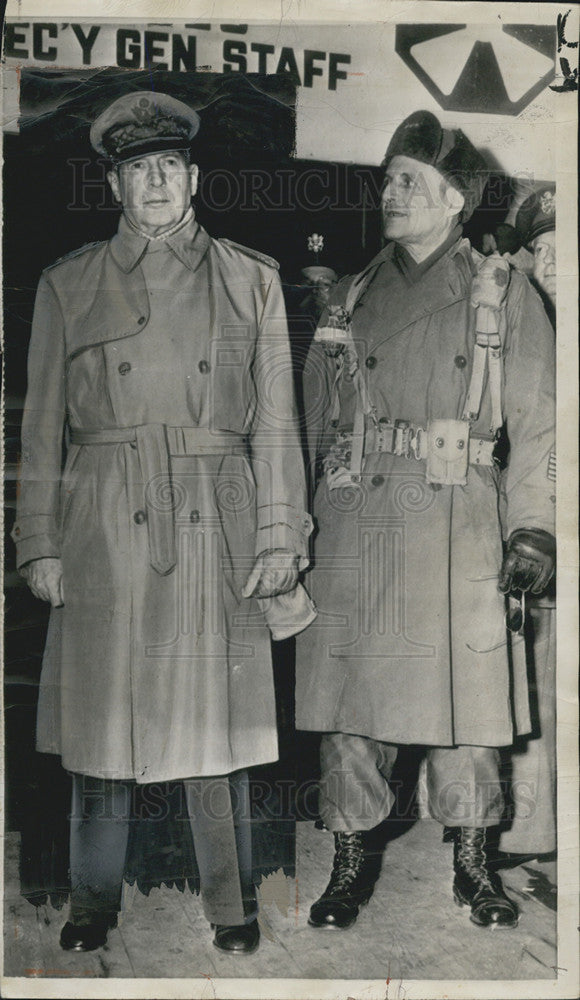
417 364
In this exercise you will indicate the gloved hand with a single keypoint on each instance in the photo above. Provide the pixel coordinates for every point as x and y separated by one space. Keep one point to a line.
44 577
529 561
275 572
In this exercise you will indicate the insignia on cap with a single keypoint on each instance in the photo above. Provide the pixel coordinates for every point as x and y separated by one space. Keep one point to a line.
548 203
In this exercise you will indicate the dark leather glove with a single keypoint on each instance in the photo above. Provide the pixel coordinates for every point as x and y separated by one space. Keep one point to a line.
529 561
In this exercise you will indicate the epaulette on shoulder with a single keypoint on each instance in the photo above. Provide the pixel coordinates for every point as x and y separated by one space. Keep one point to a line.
262 257
76 253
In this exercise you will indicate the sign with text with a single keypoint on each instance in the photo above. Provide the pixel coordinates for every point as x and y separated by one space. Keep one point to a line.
355 82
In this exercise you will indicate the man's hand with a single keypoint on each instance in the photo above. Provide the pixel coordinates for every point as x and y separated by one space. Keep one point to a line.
275 572
44 577
529 561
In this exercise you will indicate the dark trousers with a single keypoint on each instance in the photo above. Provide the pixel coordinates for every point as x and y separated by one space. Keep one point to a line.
219 816
463 783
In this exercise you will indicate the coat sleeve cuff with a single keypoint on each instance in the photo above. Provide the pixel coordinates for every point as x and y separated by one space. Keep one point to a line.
34 539
281 526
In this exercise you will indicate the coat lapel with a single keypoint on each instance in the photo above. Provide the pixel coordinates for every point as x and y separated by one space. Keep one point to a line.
394 304
111 301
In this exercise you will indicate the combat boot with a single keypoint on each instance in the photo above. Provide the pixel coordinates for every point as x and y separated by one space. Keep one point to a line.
354 873
475 885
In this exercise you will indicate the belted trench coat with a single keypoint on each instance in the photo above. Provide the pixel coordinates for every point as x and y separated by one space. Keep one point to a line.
157 668
410 644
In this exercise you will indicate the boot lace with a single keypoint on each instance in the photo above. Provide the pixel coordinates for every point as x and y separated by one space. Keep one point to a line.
473 860
348 862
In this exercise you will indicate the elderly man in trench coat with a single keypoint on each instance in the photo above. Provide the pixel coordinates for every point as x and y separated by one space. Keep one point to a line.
175 531
416 365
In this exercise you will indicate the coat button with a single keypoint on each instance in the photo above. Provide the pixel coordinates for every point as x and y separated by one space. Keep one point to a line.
124 368
460 361
139 517
194 516
371 362
204 367
378 480
439 442
141 320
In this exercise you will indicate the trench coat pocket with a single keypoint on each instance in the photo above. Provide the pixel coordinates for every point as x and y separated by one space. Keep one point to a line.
483 607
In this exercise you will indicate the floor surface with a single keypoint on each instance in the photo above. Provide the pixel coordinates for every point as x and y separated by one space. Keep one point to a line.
411 928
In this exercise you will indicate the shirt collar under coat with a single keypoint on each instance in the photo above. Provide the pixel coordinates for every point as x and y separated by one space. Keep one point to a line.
414 270
189 244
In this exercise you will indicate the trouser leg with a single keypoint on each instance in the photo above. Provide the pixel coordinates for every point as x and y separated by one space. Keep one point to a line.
464 786
99 831
220 824
240 790
354 789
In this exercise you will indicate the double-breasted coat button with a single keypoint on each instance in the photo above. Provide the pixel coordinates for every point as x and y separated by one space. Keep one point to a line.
204 367
194 516
371 362
439 442
460 361
378 480
139 517
124 368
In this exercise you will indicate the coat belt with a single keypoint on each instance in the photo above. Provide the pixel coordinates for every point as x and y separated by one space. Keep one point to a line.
156 444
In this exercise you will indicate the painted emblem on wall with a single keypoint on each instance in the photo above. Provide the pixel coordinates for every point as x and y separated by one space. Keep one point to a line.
480 69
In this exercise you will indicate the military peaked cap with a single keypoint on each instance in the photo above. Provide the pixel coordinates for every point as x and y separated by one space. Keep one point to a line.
143 122
537 215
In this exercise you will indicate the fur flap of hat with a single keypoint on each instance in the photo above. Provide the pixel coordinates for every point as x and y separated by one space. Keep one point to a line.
421 137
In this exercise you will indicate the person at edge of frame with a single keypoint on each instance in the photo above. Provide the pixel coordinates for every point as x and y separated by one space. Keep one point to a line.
176 530
532 764
430 350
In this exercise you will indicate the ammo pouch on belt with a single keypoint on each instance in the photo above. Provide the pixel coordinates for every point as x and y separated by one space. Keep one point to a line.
446 446
447 452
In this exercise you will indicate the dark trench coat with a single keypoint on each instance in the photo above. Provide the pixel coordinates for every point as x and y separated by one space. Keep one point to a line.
159 675
410 642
